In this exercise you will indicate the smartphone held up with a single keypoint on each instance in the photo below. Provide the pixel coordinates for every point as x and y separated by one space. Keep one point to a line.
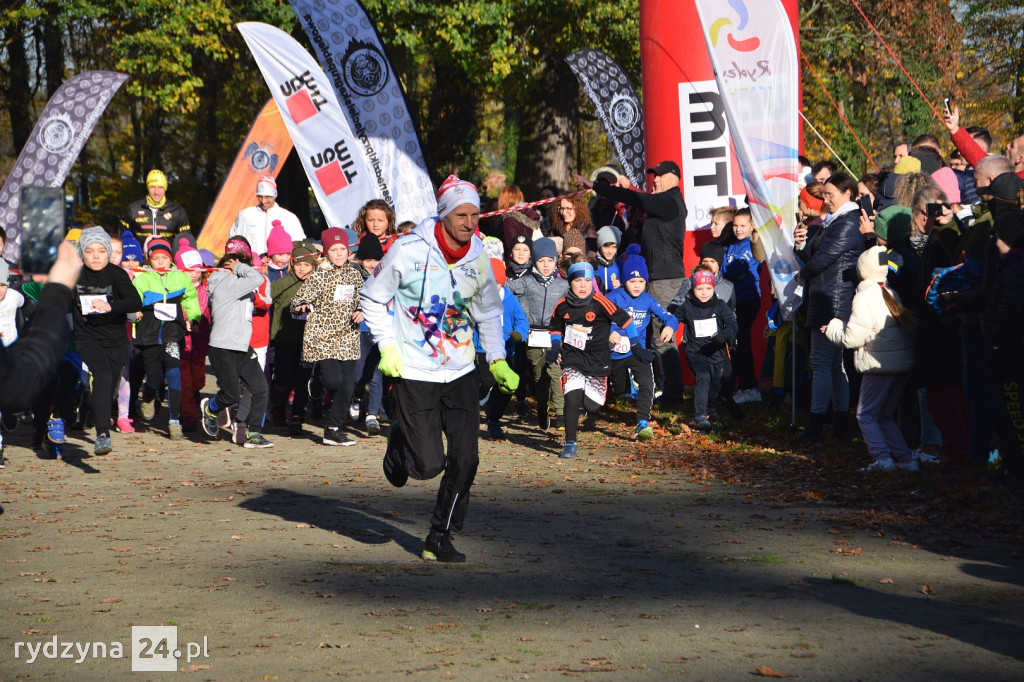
41 226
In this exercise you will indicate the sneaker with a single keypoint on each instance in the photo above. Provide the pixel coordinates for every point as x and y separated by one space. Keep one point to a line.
55 430
335 436
239 434
568 450
543 422
923 457
102 445
394 465
3 462
353 410
372 426
209 418
147 409
880 465
295 427
910 465
124 425
57 450
255 439
559 423
495 431
742 397
643 431
703 424
438 547
174 430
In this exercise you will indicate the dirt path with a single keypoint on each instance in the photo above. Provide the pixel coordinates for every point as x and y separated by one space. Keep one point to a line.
300 562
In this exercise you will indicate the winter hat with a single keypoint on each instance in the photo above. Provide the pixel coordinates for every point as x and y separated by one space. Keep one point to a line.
157 244
608 234
267 187
370 248
573 239
929 162
278 241
558 244
332 236
892 223
187 257
498 267
93 235
544 248
713 250
494 248
1010 228
353 238
156 178
583 269
908 164
209 260
455 192
633 266
522 239
131 248
305 252
945 178
873 264
702 277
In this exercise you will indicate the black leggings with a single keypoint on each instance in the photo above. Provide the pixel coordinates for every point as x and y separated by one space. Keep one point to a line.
574 400
339 377
743 360
105 364
234 368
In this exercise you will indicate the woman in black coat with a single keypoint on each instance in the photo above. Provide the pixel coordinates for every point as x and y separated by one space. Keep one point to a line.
829 275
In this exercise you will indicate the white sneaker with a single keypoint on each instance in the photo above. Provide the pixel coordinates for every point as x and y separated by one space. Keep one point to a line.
924 458
751 395
239 432
880 465
910 465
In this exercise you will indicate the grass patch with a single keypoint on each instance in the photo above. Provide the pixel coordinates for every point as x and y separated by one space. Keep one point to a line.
756 559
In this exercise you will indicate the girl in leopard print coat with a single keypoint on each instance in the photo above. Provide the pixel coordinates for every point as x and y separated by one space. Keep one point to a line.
331 338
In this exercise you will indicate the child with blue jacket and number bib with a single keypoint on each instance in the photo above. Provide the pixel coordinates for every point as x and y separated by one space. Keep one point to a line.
632 297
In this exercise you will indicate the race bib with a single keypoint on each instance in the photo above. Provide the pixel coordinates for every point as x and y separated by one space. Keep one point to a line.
539 338
344 293
705 328
622 346
165 312
8 329
87 300
576 336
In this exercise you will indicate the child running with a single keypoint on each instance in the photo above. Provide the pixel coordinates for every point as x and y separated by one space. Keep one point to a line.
581 329
286 330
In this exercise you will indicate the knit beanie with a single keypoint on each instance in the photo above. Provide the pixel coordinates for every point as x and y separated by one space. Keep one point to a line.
157 244
209 260
574 239
370 248
187 257
278 241
93 235
714 250
873 264
332 236
608 234
892 223
945 178
305 252
455 192
632 267
908 164
544 248
156 178
266 186
131 248
498 267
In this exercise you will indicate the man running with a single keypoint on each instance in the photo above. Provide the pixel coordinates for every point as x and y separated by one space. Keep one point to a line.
439 282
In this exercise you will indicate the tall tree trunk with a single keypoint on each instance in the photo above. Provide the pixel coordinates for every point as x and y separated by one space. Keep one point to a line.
53 49
17 87
453 130
548 135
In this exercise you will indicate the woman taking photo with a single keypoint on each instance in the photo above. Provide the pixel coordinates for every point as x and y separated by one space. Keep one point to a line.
829 275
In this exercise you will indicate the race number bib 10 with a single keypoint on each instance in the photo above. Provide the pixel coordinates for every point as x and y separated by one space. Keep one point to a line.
576 336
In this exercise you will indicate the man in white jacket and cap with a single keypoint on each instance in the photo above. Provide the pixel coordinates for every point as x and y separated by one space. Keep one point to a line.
255 222
440 285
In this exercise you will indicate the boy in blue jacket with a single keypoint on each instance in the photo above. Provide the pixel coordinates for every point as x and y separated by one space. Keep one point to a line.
634 299
515 328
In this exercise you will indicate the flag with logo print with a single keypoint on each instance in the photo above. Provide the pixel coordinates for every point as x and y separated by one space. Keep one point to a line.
330 153
614 98
351 53
753 54
55 142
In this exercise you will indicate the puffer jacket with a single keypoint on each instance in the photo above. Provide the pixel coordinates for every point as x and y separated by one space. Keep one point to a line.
830 271
882 345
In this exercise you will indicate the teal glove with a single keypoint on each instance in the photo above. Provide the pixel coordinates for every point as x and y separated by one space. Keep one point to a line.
508 381
391 361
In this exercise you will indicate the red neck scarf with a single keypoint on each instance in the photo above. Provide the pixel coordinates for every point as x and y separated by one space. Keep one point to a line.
450 255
